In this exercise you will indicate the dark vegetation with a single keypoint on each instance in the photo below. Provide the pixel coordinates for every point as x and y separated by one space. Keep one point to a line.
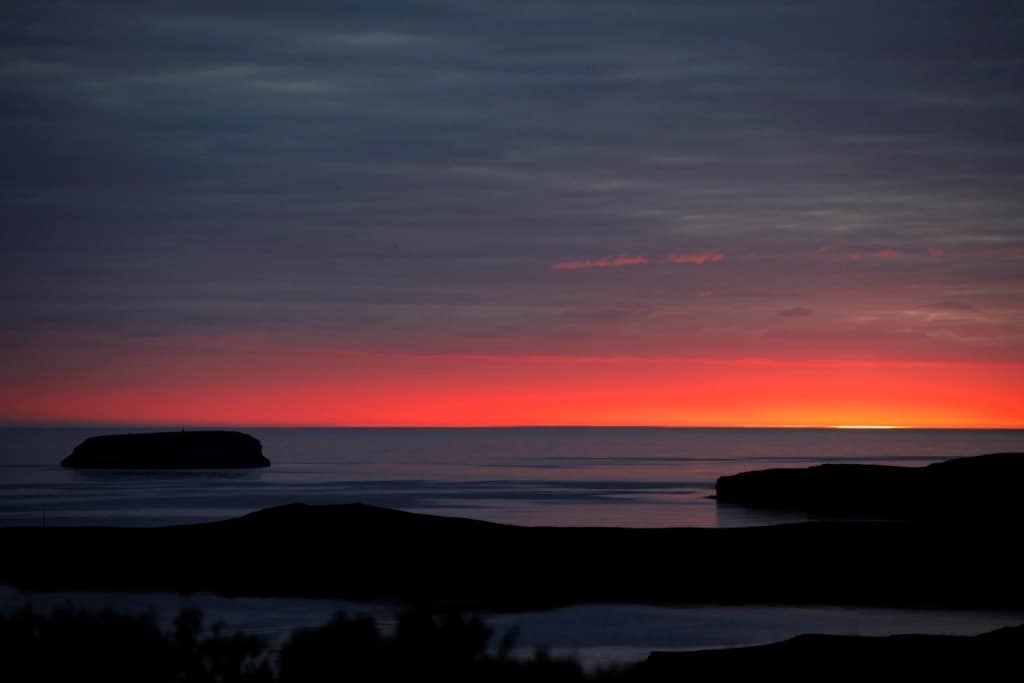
169 450
72 645
983 489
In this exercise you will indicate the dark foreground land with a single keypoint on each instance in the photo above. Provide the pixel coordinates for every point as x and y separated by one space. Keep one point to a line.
361 552
168 450
70 645
990 656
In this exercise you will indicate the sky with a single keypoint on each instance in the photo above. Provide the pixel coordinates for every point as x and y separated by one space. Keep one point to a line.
727 212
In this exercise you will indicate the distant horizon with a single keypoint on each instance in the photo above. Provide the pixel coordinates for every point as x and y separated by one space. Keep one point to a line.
173 426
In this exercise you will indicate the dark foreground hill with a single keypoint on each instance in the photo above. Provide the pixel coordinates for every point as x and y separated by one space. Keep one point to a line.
169 450
979 488
363 553
990 656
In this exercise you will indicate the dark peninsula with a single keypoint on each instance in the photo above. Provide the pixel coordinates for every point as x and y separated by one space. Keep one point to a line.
169 450
360 552
982 488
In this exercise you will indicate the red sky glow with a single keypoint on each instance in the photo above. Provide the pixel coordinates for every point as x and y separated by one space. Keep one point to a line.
213 383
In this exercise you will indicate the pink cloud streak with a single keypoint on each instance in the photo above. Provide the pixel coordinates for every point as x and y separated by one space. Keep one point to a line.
697 259
603 262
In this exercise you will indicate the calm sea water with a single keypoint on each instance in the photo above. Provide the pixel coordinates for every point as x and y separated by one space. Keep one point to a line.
547 476
578 476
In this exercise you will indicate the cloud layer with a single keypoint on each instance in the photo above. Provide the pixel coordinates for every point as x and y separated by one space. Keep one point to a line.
426 177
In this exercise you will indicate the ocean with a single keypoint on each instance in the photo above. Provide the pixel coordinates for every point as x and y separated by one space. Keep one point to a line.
636 477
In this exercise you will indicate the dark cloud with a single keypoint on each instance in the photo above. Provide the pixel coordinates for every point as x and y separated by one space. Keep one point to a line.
362 169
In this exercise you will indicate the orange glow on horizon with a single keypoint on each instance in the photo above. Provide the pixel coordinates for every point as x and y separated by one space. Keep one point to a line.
228 382
868 426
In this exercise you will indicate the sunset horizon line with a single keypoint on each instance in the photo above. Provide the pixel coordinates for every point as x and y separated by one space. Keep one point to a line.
183 426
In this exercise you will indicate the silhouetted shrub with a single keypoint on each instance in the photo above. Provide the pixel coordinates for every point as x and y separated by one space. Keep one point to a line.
76 645
343 649
448 643
72 645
